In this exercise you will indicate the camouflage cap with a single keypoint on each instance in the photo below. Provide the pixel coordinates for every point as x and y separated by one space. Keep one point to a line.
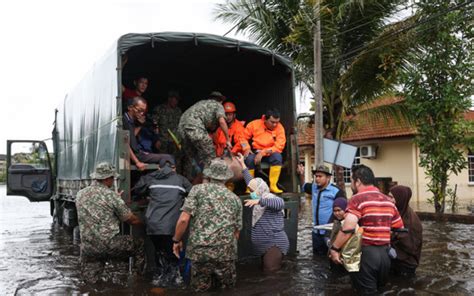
174 93
104 170
216 94
218 170
322 169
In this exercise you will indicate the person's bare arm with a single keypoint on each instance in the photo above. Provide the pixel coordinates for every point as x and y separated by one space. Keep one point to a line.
140 165
181 227
133 220
225 129
350 223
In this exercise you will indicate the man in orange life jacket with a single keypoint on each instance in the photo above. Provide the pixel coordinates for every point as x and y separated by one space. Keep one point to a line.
268 141
236 132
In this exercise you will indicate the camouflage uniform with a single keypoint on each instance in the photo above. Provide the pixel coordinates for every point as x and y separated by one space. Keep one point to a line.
194 127
167 118
216 214
100 211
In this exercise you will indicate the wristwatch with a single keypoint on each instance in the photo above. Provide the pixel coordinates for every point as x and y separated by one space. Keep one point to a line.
175 241
336 249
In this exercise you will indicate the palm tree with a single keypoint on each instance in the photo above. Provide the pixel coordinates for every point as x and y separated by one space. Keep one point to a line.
361 48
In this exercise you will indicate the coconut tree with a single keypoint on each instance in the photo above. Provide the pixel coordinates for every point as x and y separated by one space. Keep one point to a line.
362 47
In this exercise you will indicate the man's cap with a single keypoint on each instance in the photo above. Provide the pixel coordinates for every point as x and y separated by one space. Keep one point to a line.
104 170
166 161
216 94
229 107
322 169
218 170
173 93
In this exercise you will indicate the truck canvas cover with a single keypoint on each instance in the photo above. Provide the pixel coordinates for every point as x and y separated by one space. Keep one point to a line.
90 116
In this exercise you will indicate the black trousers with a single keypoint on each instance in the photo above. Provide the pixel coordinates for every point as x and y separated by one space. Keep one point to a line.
163 250
153 157
374 270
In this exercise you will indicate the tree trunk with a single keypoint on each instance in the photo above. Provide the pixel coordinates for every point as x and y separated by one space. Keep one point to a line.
339 174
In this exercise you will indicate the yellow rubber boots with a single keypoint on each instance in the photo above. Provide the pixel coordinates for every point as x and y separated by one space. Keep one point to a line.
273 177
252 173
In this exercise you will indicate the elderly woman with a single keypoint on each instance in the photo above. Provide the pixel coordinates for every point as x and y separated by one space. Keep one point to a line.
408 245
269 239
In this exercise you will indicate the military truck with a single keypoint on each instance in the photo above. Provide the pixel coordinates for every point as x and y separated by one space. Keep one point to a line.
88 123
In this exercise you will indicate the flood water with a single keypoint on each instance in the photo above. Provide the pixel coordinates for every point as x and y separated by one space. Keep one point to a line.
36 258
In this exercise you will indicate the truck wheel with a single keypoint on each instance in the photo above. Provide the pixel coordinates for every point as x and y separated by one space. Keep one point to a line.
57 214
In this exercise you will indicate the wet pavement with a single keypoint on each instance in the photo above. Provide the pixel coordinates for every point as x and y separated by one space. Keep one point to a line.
36 258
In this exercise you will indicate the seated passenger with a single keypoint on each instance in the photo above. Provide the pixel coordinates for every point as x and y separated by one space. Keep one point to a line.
166 116
268 136
147 136
137 109
141 85
236 132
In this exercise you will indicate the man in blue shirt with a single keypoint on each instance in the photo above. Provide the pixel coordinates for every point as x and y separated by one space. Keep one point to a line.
323 194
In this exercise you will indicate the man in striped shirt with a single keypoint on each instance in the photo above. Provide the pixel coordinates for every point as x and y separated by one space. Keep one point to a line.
376 214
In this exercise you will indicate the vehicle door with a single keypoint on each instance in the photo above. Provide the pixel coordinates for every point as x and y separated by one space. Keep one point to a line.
29 170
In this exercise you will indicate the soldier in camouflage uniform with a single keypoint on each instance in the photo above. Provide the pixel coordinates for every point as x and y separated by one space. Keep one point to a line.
166 116
100 211
214 214
196 123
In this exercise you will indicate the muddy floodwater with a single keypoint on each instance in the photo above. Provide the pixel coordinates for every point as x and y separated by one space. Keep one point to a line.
36 258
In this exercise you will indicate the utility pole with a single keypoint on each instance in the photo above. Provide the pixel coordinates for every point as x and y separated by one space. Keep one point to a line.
318 96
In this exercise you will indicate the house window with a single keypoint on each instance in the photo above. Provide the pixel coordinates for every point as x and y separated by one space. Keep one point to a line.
470 166
347 172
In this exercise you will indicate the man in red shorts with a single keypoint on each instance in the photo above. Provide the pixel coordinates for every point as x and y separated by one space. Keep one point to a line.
376 214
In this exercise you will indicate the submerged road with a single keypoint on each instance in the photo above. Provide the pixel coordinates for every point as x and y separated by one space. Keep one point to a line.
36 258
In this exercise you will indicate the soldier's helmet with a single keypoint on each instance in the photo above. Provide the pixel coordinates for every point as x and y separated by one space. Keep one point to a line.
218 170
104 170
229 107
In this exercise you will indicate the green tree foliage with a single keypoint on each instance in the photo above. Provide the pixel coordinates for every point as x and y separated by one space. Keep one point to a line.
361 50
438 87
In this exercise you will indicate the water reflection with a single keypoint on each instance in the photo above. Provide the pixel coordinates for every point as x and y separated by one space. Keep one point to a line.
36 258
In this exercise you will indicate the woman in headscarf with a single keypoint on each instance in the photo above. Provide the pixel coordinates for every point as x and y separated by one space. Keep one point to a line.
269 239
408 245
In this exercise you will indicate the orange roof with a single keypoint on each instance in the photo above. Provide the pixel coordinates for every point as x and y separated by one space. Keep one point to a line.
364 128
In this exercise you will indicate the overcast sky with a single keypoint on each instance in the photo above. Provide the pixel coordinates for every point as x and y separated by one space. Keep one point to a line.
47 46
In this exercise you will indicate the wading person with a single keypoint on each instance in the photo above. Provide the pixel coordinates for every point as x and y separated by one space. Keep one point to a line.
377 215
407 245
269 239
100 212
323 193
268 141
166 190
214 214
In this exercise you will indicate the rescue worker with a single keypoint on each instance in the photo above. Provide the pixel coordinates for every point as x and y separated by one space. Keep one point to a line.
268 141
100 211
197 123
215 216
166 117
166 190
236 132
